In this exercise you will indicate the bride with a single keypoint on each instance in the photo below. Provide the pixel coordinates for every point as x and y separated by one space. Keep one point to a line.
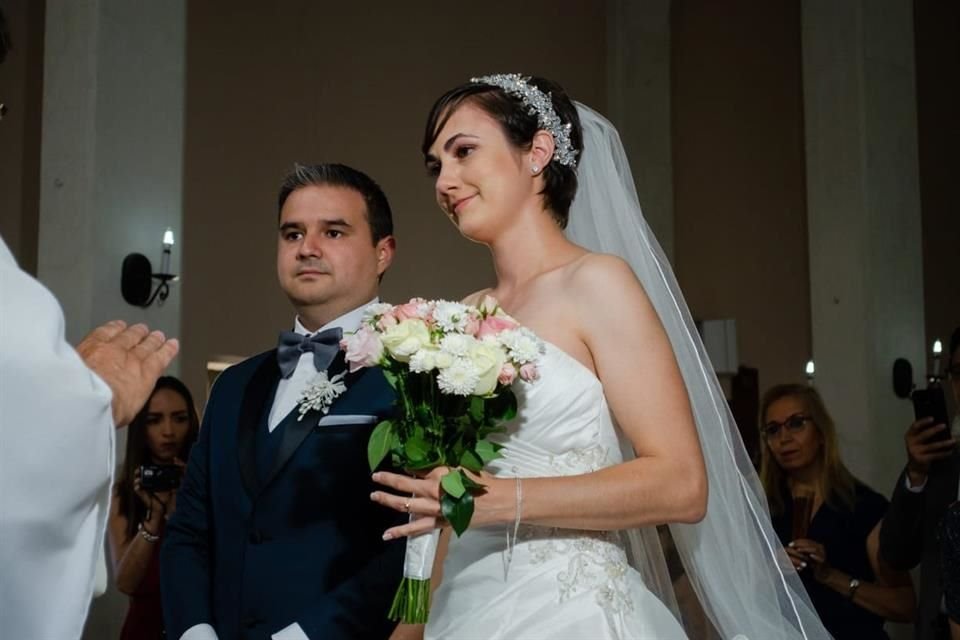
627 427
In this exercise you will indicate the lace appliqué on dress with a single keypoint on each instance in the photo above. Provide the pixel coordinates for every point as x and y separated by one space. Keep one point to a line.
580 460
596 560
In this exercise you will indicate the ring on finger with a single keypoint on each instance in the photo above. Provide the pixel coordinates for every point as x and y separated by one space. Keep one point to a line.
406 505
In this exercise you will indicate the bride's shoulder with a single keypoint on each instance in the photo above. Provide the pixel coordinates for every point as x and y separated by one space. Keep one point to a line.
600 269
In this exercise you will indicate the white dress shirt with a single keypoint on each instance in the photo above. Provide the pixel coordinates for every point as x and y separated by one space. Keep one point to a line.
56 465
284 401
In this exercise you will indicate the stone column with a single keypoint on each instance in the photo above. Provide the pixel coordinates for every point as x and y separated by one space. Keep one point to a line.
863 197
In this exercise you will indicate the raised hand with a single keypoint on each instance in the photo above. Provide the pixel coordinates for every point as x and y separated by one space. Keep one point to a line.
129 360
923 449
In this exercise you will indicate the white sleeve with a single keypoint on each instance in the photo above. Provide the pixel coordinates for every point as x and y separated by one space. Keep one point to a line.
290 632
199 632
56 465
910 487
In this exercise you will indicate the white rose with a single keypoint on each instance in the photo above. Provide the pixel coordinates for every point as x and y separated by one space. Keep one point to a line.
404 339
487 361
444 360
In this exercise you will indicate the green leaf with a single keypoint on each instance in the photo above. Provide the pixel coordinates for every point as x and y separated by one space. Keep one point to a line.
452 484
471 485
391 377
457 511
487 451
416 449
379 445
470 460
503 407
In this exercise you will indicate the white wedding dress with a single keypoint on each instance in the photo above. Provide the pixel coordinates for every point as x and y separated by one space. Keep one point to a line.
556 583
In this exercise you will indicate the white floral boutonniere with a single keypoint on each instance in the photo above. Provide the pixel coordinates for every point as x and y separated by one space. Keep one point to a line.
320 393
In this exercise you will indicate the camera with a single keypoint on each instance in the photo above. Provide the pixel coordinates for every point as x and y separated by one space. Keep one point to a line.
160 477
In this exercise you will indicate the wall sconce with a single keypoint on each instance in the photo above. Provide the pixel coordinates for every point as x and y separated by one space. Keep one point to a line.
810 370
137 276
937 352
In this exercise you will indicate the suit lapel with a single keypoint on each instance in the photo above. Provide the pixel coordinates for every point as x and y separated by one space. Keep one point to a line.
296 431
257 399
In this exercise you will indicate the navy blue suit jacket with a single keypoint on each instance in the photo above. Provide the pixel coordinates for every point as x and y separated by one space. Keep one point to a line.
249 553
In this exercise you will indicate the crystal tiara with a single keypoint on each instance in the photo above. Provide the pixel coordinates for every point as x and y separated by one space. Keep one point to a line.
540 104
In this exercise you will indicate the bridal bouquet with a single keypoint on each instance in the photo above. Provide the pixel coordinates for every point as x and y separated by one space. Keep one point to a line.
452 366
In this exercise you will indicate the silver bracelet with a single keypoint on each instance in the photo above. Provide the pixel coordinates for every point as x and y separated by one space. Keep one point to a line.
512 540
146 535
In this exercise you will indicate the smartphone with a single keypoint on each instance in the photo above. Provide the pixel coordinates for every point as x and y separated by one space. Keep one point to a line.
930 403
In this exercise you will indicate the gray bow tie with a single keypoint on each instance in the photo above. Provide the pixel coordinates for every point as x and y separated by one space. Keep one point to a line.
324 346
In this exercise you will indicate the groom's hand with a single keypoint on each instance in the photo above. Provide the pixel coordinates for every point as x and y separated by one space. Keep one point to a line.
129 360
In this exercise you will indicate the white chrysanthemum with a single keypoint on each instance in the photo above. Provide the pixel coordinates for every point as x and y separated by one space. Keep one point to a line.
457 344
423 361
376 310
460 378
451 316
522 345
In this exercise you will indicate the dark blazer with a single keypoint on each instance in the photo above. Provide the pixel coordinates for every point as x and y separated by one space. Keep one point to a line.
909 536
251 550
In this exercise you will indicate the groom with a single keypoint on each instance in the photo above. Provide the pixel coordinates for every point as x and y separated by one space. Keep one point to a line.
274 536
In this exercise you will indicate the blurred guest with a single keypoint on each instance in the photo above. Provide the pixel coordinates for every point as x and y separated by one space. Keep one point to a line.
160 436
828 520
927 486
58 411
950 568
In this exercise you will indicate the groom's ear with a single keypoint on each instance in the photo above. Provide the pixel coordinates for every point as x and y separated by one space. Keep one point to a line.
386 247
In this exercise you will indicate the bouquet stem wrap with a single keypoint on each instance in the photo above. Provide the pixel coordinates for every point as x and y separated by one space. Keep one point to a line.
412 601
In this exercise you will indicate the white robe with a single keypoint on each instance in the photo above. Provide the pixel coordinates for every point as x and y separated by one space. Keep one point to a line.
56 465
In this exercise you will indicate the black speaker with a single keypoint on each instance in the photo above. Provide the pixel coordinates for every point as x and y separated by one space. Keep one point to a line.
136 278
902 378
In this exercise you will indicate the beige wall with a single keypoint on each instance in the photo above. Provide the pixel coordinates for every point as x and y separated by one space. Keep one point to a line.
21 86
304 81
738 163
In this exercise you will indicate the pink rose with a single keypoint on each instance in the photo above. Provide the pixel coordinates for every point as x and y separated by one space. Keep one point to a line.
507 374
492 325
413 309
529 372
473 326
386 321
364 349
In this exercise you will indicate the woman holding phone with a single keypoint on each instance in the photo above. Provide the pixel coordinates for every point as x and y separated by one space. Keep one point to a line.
828 520
158 441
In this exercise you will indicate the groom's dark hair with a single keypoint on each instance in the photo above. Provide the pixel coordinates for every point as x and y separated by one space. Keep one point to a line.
379 216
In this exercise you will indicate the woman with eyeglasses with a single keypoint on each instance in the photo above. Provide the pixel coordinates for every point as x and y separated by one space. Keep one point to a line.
828 521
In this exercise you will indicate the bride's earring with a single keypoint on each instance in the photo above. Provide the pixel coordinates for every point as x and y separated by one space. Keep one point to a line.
535 169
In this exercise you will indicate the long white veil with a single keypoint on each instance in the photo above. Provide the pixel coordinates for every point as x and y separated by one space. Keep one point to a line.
742 578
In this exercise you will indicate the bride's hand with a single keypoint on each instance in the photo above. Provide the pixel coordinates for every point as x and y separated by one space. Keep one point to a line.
422 499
